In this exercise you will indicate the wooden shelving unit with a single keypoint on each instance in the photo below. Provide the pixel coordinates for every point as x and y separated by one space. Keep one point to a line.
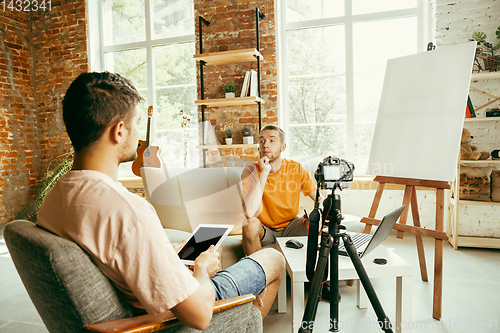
222 58
454 203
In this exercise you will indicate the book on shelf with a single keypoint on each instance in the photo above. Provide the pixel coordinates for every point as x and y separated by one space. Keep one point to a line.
254 83
469 111
246 82
209 137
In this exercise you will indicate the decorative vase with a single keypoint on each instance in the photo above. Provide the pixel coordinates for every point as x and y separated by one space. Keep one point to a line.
230 95
229 141
248 140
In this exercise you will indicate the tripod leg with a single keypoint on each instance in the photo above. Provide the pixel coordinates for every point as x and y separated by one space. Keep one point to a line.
383 320
334 283
307 324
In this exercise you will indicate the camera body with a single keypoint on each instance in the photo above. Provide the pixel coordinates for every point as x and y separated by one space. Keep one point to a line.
333 170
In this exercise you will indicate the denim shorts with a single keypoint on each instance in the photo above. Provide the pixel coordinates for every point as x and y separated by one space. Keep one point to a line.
245 277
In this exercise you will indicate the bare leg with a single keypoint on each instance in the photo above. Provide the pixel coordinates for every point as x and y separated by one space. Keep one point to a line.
252 234
274 264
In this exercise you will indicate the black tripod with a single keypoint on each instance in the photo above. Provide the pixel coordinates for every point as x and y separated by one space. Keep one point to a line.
329 248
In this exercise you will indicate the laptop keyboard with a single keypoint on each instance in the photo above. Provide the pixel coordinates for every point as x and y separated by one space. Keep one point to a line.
358 239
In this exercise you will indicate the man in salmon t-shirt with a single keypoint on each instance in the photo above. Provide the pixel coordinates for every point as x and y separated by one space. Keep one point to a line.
271 192
121 232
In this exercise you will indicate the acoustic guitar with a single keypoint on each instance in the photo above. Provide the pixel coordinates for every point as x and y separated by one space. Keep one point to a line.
147 155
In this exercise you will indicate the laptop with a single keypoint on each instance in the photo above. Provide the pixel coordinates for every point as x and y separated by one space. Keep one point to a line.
365 243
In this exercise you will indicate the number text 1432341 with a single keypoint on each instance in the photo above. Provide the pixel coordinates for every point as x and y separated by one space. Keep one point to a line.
26 5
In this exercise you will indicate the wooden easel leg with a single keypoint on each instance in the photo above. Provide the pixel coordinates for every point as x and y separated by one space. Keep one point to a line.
438 257
420 243
404 215
373 210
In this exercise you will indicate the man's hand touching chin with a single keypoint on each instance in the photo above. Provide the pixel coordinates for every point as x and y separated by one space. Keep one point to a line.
264 164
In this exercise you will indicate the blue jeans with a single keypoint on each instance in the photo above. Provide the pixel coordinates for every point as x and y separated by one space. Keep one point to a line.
245 277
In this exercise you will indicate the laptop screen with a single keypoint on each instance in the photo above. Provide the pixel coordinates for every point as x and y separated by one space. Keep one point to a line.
384 229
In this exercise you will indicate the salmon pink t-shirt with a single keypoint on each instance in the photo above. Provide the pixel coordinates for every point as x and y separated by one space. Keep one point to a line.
123 236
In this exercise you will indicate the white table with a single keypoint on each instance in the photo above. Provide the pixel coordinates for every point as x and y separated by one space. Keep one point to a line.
395 267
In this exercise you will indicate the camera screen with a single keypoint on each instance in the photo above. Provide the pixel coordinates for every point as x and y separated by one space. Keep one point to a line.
332 172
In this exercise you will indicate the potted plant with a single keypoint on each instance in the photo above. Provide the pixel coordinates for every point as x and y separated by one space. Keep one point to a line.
228 130
230 89
247 133
56 168
491 61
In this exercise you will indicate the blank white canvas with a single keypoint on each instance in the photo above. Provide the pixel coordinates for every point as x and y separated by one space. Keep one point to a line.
421 114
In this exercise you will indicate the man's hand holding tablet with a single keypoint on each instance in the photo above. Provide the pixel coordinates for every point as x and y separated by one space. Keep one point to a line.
209 261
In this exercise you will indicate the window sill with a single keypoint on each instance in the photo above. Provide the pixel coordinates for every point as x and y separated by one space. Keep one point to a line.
131 182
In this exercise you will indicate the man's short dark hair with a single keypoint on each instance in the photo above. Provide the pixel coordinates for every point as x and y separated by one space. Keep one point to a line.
274 128
95 100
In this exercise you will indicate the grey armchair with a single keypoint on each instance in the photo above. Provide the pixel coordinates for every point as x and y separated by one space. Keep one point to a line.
72 295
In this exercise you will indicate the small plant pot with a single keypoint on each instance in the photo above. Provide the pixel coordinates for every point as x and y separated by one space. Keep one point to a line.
248 140
229 141
230 95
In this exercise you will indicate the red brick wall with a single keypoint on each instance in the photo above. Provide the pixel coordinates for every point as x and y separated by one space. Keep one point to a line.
18 126
233 27
40 54
60 53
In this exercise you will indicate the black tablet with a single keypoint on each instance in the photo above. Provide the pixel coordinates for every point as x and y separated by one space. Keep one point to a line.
201 239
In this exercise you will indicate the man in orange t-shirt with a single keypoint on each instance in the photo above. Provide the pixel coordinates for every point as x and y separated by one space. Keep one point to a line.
271 192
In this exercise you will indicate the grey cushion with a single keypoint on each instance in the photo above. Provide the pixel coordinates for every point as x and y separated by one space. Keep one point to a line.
69 291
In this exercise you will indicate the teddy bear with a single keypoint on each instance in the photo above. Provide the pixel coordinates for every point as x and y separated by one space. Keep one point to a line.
468 151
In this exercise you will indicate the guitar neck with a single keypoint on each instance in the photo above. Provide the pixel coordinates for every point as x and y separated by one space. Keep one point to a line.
147 132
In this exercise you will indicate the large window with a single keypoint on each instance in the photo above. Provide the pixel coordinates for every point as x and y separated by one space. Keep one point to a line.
333 56
152 43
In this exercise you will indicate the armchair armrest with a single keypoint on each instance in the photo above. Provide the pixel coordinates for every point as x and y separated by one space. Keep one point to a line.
148 323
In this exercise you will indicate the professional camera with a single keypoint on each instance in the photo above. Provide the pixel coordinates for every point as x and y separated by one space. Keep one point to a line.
334 170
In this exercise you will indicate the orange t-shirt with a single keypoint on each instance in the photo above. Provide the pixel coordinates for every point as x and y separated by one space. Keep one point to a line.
281 197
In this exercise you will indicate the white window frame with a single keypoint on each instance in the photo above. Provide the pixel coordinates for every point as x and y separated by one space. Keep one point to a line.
423 11
97 49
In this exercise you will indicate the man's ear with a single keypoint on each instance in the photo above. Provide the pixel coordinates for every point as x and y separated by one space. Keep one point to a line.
283 146
117 132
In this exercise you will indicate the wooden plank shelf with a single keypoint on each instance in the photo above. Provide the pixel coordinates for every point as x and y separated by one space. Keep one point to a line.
229 57
229 101
476 203
481 119
480 162
485 76
233 146
474 241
